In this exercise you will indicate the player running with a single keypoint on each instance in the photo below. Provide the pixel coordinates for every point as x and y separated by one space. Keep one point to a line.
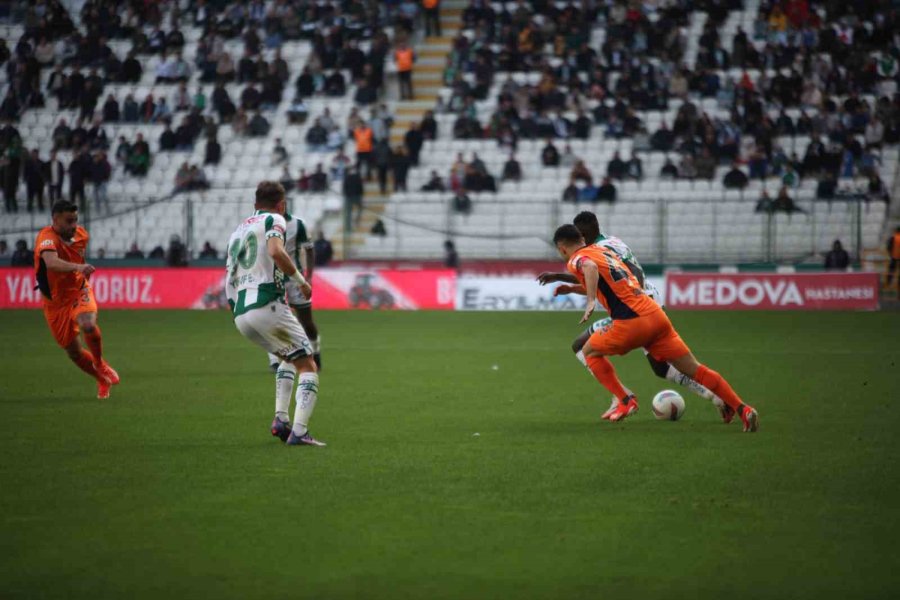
587 224
637 322
69 305
296 238
254 285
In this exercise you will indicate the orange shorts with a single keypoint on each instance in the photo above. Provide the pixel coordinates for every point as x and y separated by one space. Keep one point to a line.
63 318
653 332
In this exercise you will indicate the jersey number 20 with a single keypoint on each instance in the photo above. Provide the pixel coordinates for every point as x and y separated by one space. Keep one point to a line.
243 252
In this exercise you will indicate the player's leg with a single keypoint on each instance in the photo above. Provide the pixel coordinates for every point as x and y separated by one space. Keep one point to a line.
691 367
664 370
578 346
304 315
285 375
620 338
306 398
65 331
85 315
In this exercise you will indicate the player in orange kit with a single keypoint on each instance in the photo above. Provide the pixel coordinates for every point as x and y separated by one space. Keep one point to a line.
69 305
637 322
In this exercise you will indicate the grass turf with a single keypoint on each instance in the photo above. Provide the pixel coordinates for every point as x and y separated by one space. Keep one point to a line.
174 486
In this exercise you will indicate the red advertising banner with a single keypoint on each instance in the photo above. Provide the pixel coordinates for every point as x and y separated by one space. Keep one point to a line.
203 288
772 291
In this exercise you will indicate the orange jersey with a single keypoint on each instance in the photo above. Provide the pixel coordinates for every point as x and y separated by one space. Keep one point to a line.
618 290
60 288
404 59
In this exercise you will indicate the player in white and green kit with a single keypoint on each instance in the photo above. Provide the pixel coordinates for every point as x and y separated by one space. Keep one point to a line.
256 270
298 244
587 224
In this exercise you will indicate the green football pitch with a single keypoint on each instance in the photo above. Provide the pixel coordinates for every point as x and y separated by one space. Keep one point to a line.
466 459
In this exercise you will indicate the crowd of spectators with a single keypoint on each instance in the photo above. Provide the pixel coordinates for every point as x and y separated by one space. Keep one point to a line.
828 72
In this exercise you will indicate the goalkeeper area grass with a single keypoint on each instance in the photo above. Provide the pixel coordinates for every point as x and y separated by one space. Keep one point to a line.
466 459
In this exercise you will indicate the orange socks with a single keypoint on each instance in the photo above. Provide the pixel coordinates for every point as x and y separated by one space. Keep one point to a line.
718 386
605 373
95 343
85 362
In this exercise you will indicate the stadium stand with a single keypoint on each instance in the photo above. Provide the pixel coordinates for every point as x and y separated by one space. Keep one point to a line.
730 131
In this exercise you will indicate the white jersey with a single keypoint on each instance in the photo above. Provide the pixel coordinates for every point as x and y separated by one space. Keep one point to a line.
252 280
624 252
296 239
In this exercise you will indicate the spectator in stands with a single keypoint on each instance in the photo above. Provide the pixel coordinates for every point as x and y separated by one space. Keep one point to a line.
764 204
462 203
22 256
827 187
62 135
181 99
382 157
607 191
429 126
208 252
111 110
550 155
167 139
34 172
568 158
323 252
139 160
298 112
364 145
123 151
134 252
176 255
705 165
687 170
616 168
132 71
318 181
635 168
286 180
413 141
837 259
434 184
182 178
130 110
404 57
784 202
663 139
580 172
5 254
735 179
158 253
571 192
279 153
148 109
224 68
512 170
258 126
451 258
339 165
79 171
400 166
100 174
250 98
56 174
303 181
353 193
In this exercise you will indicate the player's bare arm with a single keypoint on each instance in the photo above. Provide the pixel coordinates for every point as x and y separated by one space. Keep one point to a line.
275 247
55 263
569 289
591 278
309 260
548 277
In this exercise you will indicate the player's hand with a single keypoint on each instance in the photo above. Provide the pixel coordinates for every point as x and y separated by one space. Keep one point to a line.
86 270
546 277
306 290
588 311
562 290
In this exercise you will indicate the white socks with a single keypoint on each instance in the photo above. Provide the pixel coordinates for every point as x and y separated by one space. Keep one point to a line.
316 344
284 385
307 394
580 356
680 378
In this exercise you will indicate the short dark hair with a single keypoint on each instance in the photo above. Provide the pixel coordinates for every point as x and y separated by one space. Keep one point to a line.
567 233
269 193
63 206
587 224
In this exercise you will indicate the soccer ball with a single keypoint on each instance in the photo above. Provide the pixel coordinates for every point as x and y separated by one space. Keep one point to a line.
668 405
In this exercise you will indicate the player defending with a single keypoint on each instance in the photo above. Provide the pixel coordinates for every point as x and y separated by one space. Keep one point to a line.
587 224
637 322
254 284
69 305
297 239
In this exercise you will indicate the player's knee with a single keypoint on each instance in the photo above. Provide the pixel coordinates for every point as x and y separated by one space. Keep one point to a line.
660 368
306 365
